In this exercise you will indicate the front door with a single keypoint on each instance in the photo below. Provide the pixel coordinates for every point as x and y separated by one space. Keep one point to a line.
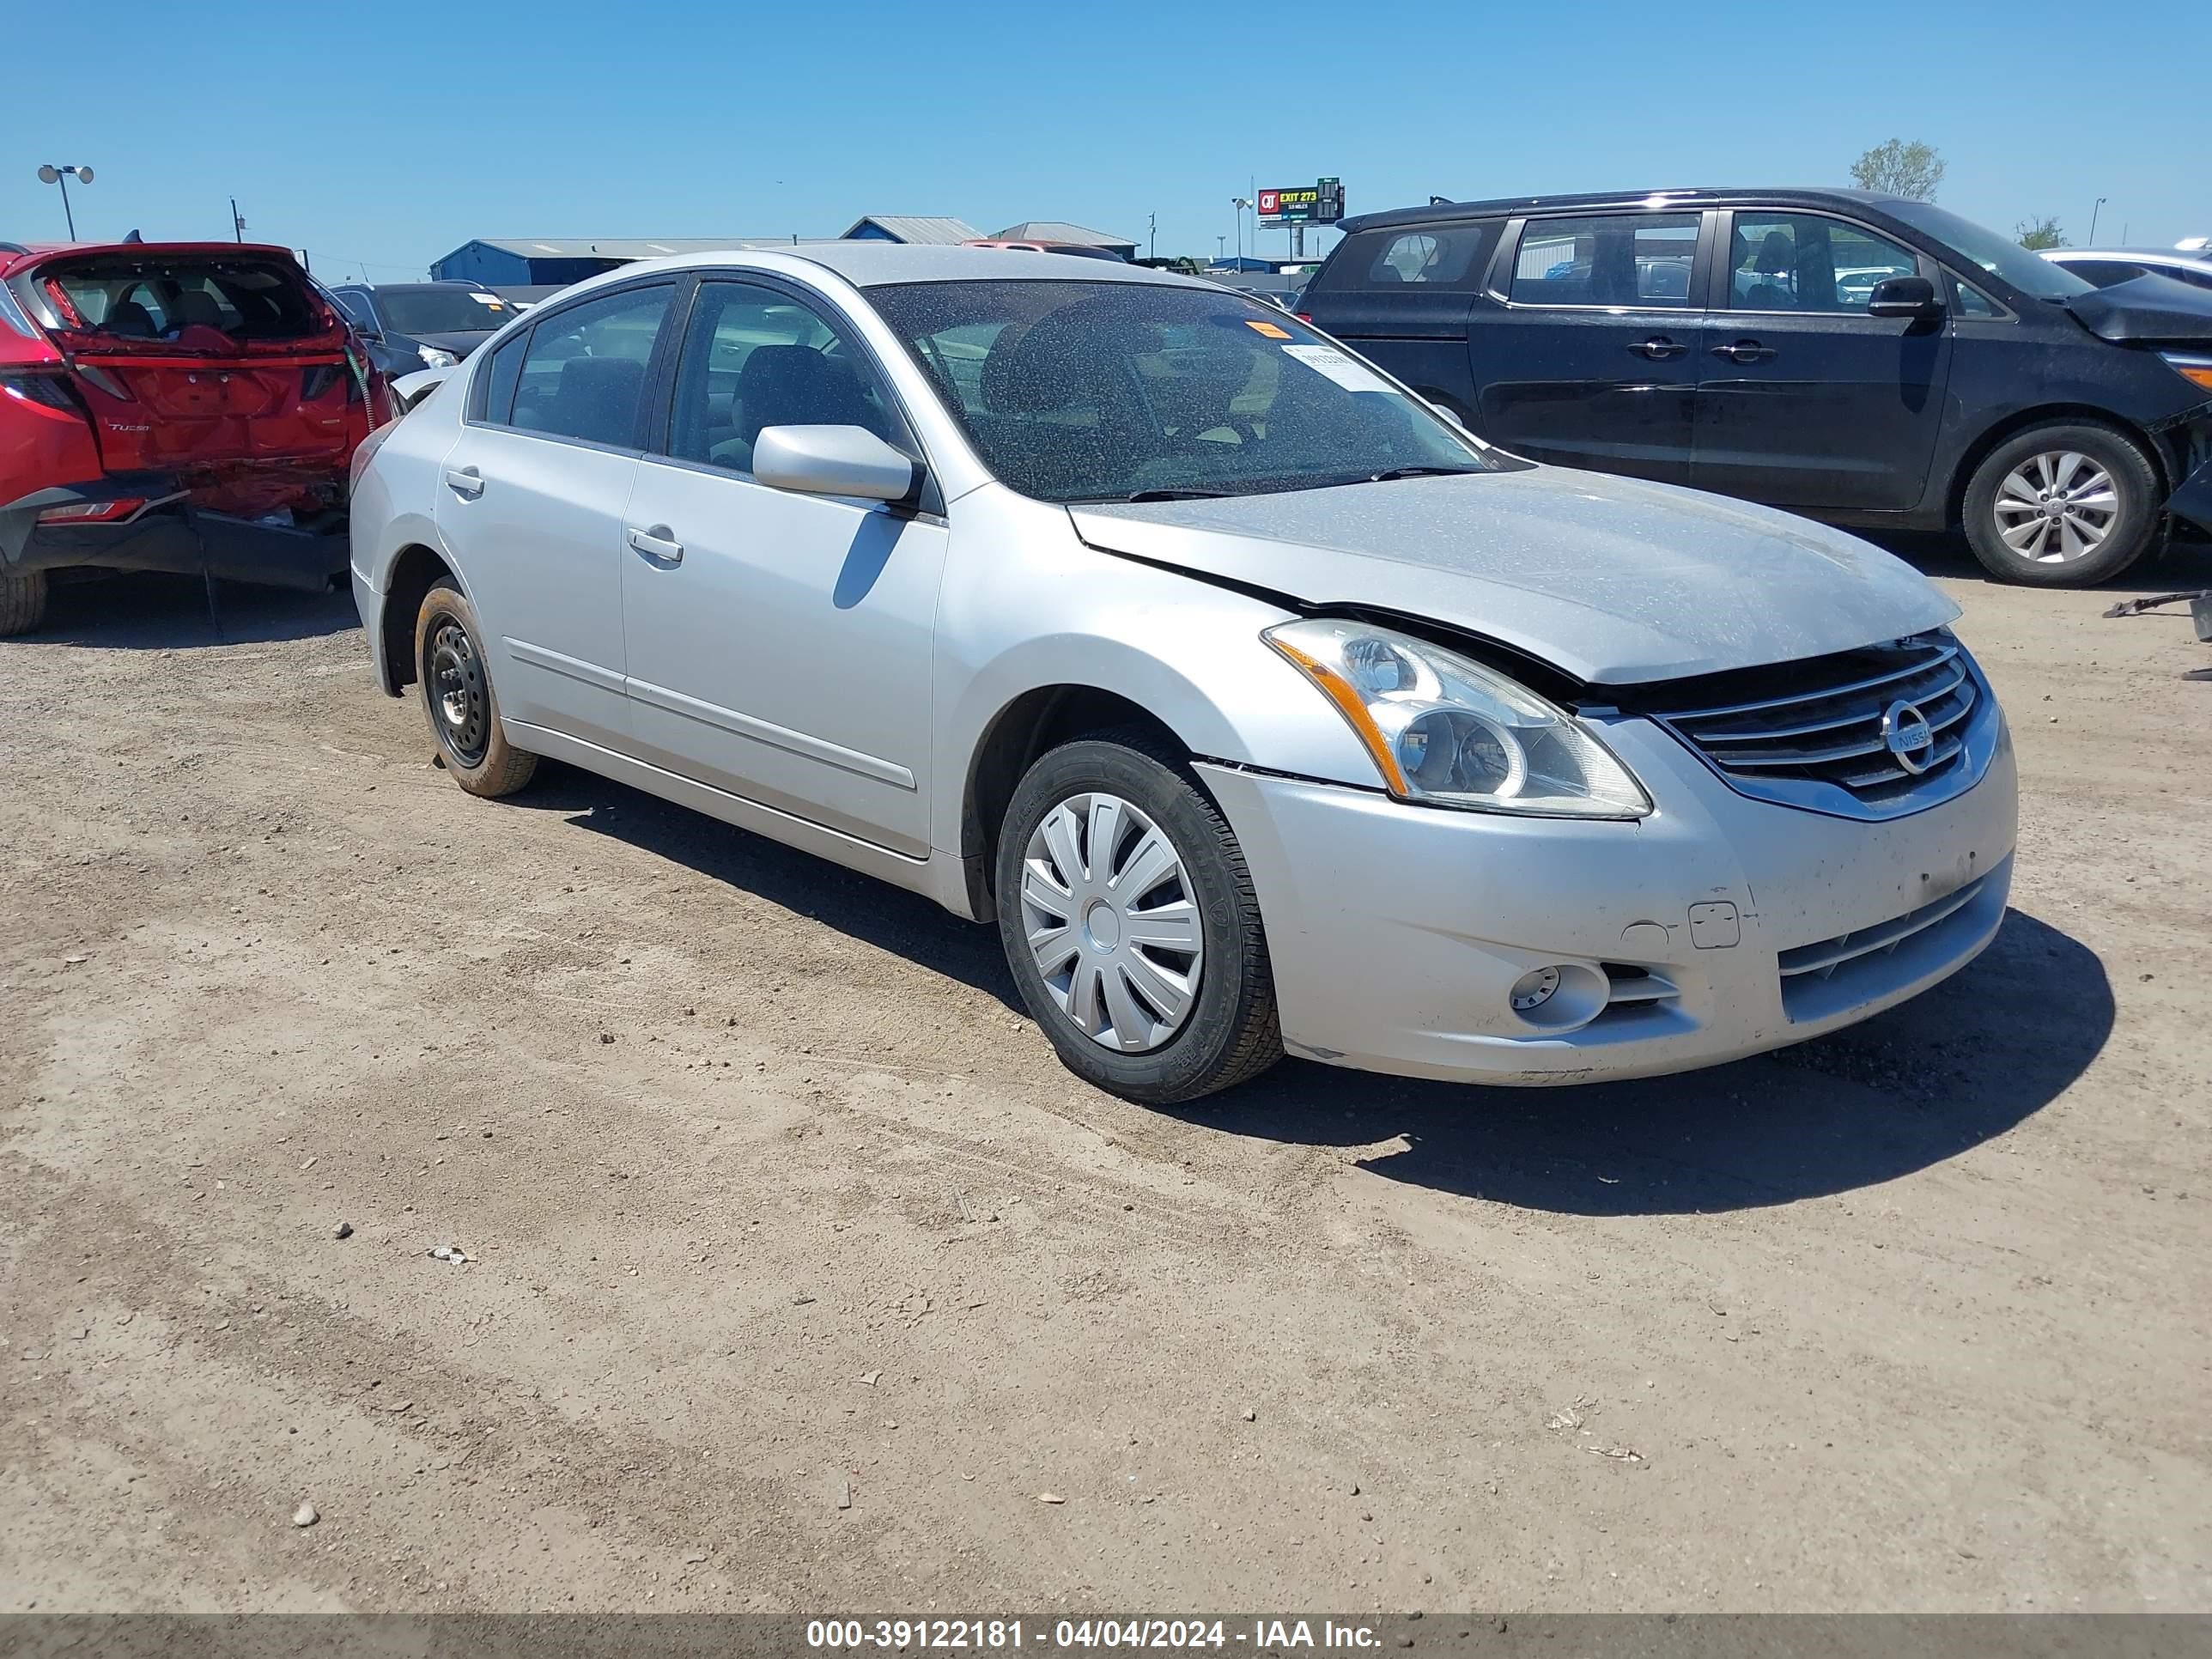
1803 399
531 503
1591 359
781 644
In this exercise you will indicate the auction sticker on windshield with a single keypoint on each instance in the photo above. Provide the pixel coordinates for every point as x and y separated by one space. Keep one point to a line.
1352 376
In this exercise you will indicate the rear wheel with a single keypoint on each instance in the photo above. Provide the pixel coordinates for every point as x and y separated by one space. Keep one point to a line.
2067 505
457 696
1131 926
22 602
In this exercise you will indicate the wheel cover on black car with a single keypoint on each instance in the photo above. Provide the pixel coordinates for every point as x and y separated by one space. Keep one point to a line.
2057 507
1112 923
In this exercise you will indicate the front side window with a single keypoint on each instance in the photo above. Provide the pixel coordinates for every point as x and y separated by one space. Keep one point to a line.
583 372
1112 392
1972 303
1639 260
753 358
1803 262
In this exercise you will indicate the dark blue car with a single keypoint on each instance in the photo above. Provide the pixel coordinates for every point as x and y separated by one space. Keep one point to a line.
1855 357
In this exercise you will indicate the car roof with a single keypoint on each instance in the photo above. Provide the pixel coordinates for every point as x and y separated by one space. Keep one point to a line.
1699 196
40 253
875 265
416 287
2179 256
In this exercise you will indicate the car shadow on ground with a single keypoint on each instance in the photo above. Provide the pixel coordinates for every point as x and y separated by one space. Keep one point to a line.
140 610
1955 1067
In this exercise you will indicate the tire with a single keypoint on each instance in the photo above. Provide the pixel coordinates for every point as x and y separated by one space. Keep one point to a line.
458 697
22 603
1227 1030
2096 463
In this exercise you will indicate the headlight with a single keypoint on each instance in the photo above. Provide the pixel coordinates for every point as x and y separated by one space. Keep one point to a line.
433 357
2193 367
1447 731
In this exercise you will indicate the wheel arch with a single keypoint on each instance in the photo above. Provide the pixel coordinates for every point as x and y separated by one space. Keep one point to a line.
2055 414
415 568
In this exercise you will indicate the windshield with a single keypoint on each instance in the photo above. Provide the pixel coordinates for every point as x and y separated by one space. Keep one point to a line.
443 310
1992 252
1082 391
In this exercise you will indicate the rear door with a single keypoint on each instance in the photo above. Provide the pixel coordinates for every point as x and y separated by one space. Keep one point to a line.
1401 296
1804 400
530 503
1584 350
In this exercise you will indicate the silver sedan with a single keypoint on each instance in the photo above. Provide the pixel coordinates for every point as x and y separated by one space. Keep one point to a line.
1259 705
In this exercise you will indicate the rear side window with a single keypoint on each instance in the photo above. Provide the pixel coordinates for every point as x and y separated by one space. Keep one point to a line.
500 375
1429 255
583 372
1642 260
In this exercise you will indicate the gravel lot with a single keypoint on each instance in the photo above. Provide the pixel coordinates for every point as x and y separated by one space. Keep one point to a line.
800 1273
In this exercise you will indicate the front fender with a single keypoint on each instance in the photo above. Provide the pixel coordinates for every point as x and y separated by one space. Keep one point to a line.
1027 606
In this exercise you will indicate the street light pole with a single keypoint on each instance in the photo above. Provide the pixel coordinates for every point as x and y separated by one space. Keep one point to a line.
2101 200
51 174
1240 203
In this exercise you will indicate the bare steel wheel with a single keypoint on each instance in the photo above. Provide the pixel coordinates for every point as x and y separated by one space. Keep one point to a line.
459 698
1130 925
2064 505
1106 910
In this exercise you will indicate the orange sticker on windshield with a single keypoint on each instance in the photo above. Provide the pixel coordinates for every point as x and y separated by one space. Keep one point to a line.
1267 329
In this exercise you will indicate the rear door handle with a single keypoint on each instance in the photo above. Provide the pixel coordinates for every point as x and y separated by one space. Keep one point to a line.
1744 351
1658 348
658 544
464 481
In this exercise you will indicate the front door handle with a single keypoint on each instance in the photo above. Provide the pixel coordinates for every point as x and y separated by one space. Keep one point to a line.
465 481
1658 348
658 544
1744 351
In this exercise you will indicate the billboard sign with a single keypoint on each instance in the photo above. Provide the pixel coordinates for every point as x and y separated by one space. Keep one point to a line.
1321 203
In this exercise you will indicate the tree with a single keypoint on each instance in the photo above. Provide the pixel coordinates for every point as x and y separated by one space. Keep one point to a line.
2040 232
1897 169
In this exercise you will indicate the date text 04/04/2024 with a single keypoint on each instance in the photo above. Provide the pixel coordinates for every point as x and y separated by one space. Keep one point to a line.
1008 1634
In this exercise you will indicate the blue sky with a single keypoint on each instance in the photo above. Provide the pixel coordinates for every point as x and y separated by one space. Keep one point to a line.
383 137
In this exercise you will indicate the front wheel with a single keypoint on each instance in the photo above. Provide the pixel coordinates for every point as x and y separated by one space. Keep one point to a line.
2067 505
457 696
1131 926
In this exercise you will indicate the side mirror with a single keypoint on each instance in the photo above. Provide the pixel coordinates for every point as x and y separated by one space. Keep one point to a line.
833 460
1446 412
1903 296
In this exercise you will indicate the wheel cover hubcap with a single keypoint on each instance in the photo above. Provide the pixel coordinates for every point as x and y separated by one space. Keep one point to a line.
459 698
2055 508
1112 922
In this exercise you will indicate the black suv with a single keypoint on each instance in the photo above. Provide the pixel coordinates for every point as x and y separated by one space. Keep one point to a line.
1860 358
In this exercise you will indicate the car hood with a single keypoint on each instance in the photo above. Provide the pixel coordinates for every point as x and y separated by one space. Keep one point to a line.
1613 580
2146 307
459 344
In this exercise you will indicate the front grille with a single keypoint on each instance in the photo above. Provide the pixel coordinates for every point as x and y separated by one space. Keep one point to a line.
1829 975
1822 721
1824 956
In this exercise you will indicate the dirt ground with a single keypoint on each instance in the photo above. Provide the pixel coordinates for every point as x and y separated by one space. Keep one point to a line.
801 1274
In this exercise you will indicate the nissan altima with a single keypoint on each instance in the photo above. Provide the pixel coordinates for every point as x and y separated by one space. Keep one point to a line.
1259 705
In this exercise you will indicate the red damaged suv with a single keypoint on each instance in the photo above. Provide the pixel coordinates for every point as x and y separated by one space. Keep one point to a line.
180 406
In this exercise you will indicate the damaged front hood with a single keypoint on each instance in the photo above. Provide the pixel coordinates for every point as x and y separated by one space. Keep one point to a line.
1611 580
2143 308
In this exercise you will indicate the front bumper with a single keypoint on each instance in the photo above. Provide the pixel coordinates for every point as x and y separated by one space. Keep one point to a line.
1716 927
2193 500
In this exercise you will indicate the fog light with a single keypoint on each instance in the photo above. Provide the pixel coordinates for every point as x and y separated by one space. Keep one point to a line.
1534 989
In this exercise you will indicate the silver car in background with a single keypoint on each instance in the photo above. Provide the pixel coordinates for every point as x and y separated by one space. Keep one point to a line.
1260 707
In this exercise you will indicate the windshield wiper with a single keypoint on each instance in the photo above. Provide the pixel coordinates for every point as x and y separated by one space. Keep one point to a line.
1417 472
1177 495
